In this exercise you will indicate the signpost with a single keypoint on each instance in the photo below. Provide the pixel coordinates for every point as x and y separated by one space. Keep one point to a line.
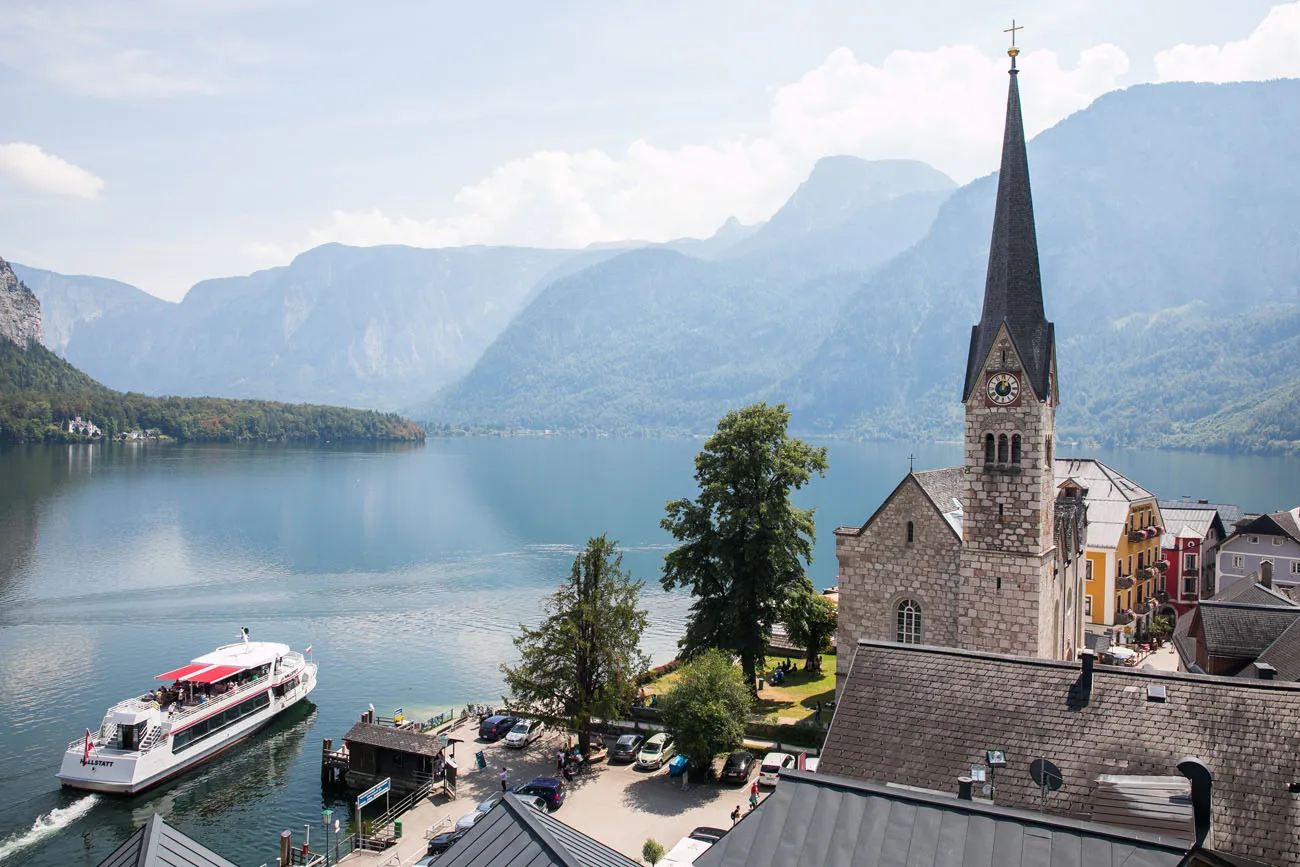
370 794
399 715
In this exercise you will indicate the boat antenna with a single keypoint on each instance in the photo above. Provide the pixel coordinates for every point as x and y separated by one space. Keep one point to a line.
243 633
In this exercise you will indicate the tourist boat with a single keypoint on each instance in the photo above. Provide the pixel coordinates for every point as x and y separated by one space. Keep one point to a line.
208 706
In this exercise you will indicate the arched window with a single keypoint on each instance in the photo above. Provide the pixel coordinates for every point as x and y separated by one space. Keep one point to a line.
911 532
1002 449
988 449
909 622
1015 448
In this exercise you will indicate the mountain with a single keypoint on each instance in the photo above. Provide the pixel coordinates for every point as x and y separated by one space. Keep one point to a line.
656 338
375 327
1150 200
40 393
1167 227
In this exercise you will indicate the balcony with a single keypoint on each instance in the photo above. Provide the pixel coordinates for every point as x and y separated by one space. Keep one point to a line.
1146 573
1123 617
1162 566
1124 582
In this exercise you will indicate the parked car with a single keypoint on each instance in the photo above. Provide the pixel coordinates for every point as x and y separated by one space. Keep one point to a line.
708 835
537 802
495 727
656 751
440 843
738 767
771 768
428 860
467 821
626 748
548 789
524 733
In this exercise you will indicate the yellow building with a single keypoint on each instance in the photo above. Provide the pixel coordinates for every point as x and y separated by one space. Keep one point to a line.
1123 566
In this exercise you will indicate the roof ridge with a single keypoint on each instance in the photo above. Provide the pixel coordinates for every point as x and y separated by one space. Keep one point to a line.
1072 664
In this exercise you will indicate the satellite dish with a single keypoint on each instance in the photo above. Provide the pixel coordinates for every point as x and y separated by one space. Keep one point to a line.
1046 775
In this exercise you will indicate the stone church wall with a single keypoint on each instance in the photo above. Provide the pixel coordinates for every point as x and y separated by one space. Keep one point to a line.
879 568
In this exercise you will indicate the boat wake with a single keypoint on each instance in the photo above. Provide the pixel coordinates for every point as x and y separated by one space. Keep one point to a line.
44 826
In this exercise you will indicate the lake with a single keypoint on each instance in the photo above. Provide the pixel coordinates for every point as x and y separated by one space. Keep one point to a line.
407 569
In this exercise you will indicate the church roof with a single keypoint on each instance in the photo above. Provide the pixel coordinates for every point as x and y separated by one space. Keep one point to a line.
157 844
945 487
1013 289
922 716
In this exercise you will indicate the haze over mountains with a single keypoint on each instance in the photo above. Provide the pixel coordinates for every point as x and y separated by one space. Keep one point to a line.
1167 220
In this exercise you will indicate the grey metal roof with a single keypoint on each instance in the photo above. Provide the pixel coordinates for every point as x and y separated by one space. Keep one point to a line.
819 821
514 834
1228 513
1253 593
922 716
157 844
393 738
1013 289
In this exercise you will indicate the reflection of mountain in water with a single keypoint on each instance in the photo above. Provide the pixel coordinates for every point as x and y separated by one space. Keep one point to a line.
28 477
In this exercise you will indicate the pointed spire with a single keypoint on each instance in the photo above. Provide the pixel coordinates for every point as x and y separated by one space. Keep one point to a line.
1013 291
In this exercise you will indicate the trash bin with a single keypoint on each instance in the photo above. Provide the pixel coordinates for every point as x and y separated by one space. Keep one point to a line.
480 760
397 828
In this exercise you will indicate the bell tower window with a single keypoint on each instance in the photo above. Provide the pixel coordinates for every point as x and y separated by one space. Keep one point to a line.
989 449
1002 449
1015 448
911 532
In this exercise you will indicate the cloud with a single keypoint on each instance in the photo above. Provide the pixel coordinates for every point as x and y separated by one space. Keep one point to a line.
943 106
149 49
1271 51
33 167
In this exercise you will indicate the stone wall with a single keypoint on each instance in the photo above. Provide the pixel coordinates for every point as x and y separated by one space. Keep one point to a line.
20 312
878 568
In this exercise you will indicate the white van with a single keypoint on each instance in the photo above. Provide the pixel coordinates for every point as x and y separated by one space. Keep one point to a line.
685 852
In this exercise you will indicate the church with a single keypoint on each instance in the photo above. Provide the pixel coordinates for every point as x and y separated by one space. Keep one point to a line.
989 555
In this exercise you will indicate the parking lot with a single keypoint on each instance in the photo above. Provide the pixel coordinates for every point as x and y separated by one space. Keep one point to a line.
617 804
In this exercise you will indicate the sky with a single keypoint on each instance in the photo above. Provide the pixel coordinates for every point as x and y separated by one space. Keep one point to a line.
163 142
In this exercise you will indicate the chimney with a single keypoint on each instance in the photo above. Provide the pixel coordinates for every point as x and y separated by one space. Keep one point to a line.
1265 671
964 787
1266 574
1204 502
1089 658
1195 770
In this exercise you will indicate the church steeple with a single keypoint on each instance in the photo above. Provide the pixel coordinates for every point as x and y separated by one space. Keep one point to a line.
1013 290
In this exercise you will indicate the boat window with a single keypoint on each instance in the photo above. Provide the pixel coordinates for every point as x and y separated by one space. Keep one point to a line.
205 728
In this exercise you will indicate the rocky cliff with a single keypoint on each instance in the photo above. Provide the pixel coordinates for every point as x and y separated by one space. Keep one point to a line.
20 312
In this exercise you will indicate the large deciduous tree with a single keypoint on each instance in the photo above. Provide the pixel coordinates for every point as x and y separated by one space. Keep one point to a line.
582 661
811 619
744 546
706 709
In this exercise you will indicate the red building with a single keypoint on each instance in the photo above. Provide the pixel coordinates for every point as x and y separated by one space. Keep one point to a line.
1192 533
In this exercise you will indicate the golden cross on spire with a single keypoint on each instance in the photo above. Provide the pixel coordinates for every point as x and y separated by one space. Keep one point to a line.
1013 50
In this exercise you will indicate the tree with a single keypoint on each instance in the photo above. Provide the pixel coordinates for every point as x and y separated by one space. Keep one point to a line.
584 658
744 545
811 619
652 851
706 709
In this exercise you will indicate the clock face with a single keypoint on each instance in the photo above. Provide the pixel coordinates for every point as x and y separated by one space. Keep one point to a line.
1003 388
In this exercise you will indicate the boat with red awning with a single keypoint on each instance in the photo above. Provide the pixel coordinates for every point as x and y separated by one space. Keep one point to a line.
212 703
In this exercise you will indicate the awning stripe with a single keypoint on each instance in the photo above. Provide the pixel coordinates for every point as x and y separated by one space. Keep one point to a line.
215 673
180 673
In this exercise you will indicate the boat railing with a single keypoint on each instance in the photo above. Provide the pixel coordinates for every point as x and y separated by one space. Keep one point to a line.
291 660
181 716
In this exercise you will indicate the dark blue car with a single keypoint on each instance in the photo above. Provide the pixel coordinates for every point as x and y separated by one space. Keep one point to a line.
548 789
496 727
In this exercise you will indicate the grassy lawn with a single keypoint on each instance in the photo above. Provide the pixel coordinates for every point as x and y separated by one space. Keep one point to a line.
795 699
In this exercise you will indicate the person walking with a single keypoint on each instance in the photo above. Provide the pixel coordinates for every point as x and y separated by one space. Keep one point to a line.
753 795
735 815
504 777
818 715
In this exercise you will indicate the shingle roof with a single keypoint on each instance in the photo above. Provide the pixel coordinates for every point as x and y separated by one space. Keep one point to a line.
157 844
393 738
1285 523
923 716
945 487
1235 629
820 821
516 835
1253 593
1283 654
1013 289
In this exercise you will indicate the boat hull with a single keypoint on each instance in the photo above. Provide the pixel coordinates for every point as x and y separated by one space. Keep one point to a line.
130 772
